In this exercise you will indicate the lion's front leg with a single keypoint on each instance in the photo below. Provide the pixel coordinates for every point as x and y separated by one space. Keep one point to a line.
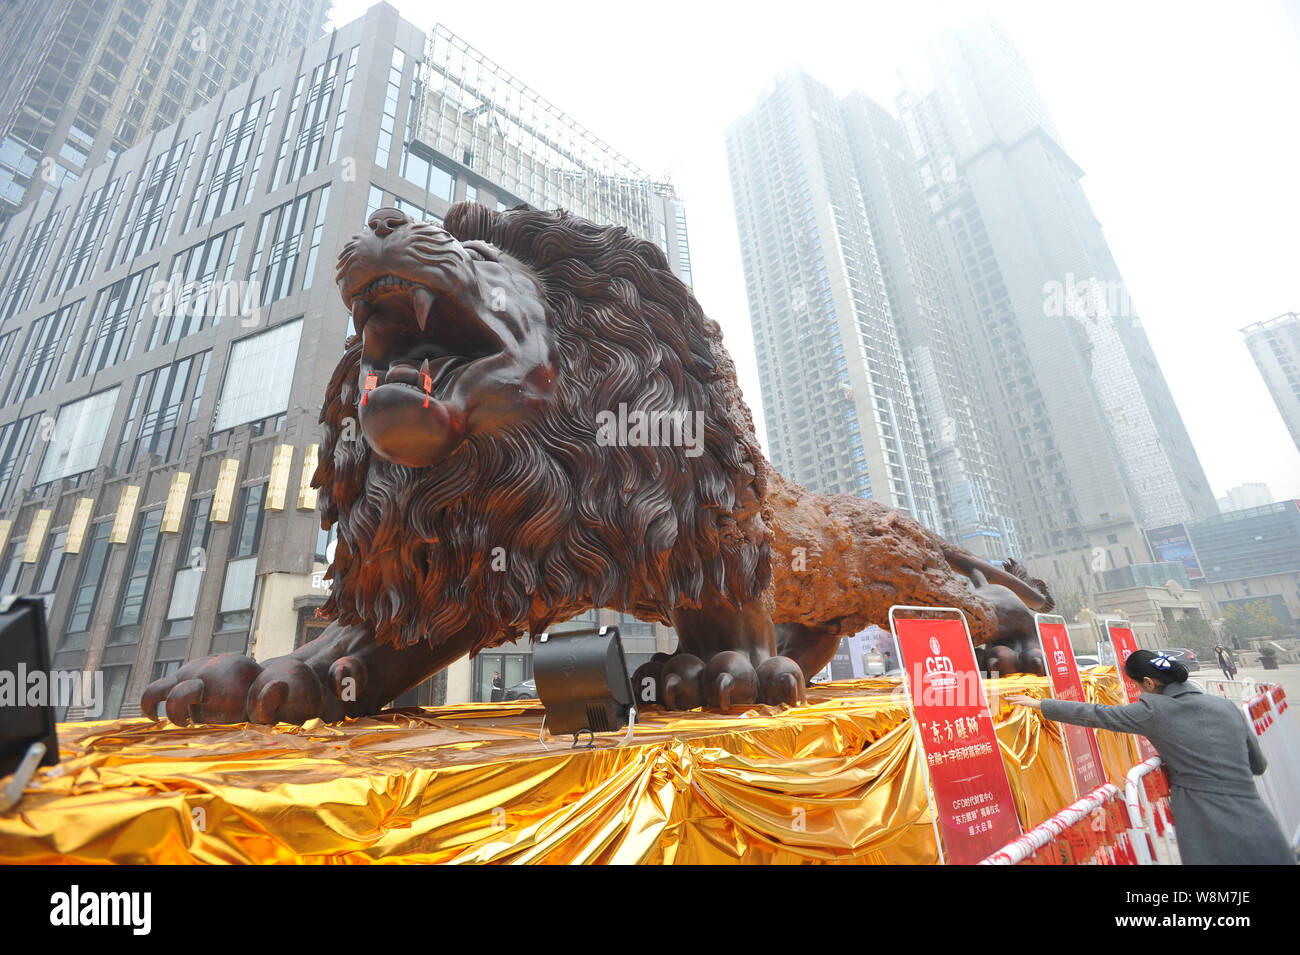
724 658
342 673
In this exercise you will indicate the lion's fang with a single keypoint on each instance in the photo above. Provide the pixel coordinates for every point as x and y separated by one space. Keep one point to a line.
360 313
423 305
426 380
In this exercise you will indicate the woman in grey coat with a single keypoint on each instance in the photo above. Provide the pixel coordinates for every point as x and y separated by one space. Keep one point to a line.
1210 752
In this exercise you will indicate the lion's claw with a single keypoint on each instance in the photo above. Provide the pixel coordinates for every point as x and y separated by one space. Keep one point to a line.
730 680
181 699
1032 661
265 700
999 659
681 682
647 680
781 681
286 691
348 678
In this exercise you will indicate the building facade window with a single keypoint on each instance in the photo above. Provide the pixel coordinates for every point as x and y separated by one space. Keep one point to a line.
277 249
246 530
322 204
295 103
221 187
192 561
115 681
29 259
114 326
143 226
78 436
388 121
47 573
515 668
258 376
11 567
200 288
428 173
139 573
344 97
315 120
235 619
47 346
8 345
16 440
88 231
160 409
85 598
261 147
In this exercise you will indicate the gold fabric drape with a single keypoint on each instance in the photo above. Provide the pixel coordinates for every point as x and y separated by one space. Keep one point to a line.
836 780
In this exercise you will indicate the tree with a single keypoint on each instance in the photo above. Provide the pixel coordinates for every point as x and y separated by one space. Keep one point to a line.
1192 631
1069 603
1249 619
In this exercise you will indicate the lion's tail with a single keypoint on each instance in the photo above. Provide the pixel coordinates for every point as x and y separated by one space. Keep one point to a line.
1012 574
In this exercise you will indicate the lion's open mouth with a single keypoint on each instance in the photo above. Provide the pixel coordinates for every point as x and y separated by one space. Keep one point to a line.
414 339
453 338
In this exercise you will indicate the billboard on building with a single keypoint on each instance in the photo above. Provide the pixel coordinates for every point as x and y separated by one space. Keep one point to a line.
1172 543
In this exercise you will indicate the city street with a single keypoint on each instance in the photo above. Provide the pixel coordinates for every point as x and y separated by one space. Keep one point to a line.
1287 675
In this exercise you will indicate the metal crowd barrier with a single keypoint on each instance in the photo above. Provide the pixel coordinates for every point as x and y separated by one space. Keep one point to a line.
1092 830
1108 826
1146 790
1279 786
1235 690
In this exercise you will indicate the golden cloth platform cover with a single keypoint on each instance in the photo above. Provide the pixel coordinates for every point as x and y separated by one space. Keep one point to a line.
836 780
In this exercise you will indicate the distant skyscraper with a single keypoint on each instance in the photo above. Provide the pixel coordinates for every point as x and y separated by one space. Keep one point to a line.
1251 494
86 79
1276 347
1092 443
968 482
840 413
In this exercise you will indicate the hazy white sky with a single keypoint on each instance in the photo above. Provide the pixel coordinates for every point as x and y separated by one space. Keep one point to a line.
1185 117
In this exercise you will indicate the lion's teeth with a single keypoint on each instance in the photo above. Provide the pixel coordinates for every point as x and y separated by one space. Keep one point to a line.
423 306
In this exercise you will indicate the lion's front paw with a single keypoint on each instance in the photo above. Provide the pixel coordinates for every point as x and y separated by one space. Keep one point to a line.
727 680
233 688
206 690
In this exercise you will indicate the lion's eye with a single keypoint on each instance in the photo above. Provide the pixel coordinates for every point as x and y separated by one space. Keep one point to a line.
482 250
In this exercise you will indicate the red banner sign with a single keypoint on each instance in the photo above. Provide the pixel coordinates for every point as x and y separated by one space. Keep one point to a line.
973 806
1122 639
1080 741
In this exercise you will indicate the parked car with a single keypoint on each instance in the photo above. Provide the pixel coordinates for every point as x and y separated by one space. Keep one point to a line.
1183 655
522 691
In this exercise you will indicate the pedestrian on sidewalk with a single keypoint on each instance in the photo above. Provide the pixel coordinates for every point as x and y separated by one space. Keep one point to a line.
1225 663
1210 753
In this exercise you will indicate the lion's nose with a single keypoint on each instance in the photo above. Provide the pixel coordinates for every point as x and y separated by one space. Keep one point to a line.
385 221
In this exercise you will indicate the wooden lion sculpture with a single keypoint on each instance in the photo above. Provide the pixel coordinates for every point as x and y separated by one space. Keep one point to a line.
482 491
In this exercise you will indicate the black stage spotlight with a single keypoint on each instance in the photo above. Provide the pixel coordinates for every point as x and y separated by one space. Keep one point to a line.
27 734
583 683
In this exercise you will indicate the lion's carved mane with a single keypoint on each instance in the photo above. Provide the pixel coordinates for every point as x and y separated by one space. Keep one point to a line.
534 524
